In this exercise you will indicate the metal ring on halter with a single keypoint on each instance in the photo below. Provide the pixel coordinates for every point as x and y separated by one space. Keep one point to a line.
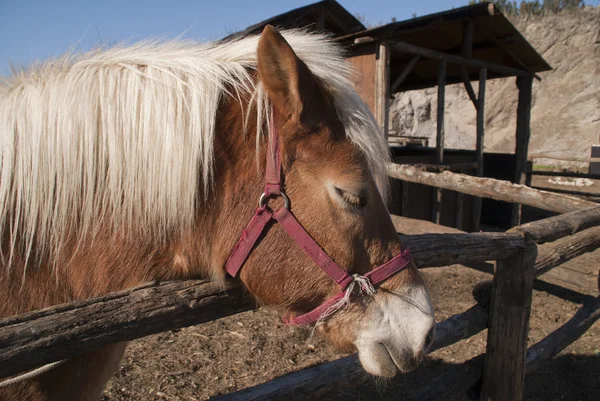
264 198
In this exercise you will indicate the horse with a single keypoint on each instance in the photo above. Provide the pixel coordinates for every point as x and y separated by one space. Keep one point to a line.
145 162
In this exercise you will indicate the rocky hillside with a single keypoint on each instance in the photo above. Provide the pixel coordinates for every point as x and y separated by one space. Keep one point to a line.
565 118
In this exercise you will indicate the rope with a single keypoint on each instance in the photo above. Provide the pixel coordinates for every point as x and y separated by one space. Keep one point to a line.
364 287
31 374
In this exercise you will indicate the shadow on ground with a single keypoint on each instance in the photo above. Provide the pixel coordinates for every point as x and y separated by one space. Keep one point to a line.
567 377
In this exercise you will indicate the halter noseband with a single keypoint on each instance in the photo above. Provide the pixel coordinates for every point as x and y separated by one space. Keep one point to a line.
292 226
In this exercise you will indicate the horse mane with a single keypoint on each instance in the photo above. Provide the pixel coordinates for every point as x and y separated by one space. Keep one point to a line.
126 133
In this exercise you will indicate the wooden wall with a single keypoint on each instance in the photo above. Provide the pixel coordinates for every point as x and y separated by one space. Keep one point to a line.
364 61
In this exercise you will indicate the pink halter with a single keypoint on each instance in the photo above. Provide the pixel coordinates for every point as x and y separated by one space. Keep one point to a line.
292 226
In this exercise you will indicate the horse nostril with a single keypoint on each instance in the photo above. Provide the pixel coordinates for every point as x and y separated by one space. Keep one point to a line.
429 340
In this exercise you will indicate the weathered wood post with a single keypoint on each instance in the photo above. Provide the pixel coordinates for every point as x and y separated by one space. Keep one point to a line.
525 86
504 369
382 86
439 143
479 143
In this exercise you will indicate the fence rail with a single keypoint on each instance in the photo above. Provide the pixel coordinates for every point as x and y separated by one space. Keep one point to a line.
526 251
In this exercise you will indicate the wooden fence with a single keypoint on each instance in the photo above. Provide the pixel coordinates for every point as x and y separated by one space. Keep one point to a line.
592 196
523 253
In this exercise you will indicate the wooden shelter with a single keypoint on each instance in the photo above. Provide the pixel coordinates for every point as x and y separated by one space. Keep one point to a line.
459 46
324 16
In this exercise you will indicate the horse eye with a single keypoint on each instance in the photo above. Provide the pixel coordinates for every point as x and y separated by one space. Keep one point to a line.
357 199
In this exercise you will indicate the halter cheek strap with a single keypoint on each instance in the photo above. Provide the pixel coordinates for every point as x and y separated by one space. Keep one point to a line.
263 216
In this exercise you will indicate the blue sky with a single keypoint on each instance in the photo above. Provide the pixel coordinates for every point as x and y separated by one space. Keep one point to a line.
37 29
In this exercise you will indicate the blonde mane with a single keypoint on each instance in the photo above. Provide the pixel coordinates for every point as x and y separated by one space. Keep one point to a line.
127 133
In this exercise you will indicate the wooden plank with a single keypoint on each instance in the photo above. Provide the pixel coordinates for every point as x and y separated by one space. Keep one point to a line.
490 188
556 227
501 45
468 86
561 338
316 382
572 280
523 133
364 80
439 141
467 52
441 98
567 159
479 144
504 369
382 86
565 174
556 253
407 69
451 58
454 383
528 174
405 199
457 381
432 250
63 331
588 195
554 256
60 332
467 40
460 211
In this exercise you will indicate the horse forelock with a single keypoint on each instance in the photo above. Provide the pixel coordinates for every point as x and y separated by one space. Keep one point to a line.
127 133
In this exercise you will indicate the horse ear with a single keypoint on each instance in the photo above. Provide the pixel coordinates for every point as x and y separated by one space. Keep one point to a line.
286 78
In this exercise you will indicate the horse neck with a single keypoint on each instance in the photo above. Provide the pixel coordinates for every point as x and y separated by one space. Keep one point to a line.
112 262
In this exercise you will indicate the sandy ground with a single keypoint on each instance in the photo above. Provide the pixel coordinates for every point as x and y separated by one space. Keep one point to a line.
230 354
250 348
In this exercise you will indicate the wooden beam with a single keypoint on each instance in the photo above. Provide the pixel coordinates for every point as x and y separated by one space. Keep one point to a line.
432 250
318 381
567 159
468 87
463 378
556 227
553 254
321 20
566 174
460 211
501 45
490 188
591 196
61 332
467 52
407 69
454 383
382 86
467 40
528 171
439 141
561 338
455 167
525 86
441 98
504 371
476 218
405 198
451 58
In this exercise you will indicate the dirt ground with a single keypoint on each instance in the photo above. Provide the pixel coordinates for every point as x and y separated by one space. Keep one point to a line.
233 353
230 354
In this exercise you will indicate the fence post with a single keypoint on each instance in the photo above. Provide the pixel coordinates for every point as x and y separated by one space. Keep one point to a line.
504 369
